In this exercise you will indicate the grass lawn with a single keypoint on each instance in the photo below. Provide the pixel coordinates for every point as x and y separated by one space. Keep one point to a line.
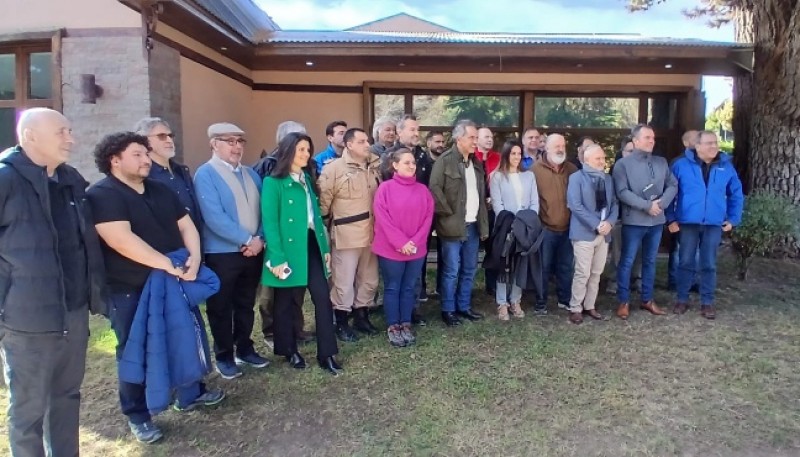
540 386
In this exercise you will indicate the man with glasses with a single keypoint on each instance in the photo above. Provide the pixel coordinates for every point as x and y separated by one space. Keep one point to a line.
645 187
229 194
165 168
709 202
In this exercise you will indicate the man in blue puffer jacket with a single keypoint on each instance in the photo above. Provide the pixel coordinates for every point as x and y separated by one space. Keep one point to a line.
709 202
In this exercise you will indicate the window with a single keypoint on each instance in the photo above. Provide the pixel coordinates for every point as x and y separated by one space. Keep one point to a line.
586 112
26 81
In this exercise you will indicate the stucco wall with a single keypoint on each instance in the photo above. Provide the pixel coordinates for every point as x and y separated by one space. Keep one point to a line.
208 97
30 15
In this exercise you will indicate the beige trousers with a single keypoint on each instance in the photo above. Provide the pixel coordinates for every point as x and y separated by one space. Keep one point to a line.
590 260
354 274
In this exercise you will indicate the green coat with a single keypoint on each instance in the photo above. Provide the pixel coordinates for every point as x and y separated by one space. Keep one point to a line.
285 218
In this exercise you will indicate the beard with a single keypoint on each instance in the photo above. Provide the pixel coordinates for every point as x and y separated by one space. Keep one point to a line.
436 152
557 159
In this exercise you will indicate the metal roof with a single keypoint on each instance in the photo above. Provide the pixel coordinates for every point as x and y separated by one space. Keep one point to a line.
243 16
366 37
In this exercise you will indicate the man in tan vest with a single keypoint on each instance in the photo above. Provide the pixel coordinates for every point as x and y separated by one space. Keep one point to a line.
347 187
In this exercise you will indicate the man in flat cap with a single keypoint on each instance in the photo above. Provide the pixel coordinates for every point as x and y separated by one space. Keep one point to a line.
229 195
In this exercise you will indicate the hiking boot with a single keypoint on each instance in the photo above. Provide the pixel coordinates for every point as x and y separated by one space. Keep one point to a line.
623 310
395 336
209 398
576 318
516 311
228 369
680 307
708 312
146 432
653 308
252 359
594 314
502 312
408 334
361 322
343 330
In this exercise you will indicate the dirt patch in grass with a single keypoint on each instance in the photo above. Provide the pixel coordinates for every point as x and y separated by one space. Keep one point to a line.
652 386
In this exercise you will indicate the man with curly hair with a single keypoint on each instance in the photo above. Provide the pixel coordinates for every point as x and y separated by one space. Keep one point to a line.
140 220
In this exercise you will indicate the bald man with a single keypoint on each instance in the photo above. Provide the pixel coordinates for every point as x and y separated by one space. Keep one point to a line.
51 275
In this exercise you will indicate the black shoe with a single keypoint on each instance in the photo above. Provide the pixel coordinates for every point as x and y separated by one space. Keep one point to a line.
361 322
470 315
343 330
417 319
296 361
330 365
451 320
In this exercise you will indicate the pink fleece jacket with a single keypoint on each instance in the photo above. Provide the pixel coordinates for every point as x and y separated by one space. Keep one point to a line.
403 211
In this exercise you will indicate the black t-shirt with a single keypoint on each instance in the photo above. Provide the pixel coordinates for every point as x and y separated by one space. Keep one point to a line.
153 216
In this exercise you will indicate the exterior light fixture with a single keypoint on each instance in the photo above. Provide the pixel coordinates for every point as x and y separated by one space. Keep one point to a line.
309 63
668 66
90 91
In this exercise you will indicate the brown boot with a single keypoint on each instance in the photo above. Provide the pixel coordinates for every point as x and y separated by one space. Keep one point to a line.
576 318
680 308
708 312
653 308
594 314
623 310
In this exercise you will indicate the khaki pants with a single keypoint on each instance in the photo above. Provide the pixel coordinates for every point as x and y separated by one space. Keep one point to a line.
354 274
590 259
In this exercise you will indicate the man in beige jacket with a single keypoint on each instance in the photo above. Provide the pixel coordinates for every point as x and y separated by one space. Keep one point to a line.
347 187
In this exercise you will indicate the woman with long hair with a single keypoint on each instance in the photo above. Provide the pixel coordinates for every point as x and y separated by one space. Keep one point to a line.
511 189
297 252
403 211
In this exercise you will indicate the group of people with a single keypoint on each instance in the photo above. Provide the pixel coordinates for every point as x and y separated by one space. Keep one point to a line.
146 245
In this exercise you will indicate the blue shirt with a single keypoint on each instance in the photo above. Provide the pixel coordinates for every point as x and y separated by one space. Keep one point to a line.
180 185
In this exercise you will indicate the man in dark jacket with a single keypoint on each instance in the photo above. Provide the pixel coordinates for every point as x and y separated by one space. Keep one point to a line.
139 221
459 192
51 275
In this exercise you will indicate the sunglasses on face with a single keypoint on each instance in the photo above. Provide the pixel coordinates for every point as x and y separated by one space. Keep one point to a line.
164 136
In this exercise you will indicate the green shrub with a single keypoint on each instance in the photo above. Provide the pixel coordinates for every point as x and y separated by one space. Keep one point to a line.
768 218
726 146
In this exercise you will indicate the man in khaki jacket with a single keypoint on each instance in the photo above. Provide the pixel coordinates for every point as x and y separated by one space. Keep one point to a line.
347 187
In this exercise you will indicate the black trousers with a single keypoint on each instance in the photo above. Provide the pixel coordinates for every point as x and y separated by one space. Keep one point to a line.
44 373
231 311
266 302
288 299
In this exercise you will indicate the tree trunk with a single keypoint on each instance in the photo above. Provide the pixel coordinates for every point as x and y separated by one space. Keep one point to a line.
775 128
774 163
743 101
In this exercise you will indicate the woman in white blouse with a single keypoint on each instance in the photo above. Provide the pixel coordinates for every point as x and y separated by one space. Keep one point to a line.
511 189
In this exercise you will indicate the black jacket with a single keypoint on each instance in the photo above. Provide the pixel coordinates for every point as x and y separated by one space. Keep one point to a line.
265 164
528 236
32 297
497 253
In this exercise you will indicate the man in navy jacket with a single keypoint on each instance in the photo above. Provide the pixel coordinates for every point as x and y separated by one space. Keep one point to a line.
709 202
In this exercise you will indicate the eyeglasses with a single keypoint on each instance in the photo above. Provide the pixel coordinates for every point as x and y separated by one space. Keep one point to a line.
163 136
233 141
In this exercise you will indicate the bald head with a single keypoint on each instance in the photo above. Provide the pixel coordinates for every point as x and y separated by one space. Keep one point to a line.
46 137
595 157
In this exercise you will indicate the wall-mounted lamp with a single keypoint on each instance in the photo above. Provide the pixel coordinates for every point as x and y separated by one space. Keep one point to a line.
89 89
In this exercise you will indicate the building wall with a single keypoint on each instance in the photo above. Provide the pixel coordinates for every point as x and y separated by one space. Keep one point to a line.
208 97
117 65
31 15
164 74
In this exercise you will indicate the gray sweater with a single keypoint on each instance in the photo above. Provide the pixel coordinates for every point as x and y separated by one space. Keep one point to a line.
639 179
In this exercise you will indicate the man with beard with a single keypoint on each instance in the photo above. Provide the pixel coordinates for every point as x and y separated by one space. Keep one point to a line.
552 173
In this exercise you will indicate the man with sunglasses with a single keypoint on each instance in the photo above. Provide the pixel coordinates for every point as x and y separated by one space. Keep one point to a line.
165 168
229 195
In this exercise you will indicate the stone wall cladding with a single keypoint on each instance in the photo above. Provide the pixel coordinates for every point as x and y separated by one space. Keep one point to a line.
165 90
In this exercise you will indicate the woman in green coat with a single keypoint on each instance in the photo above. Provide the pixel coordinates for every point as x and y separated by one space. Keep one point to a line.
297 253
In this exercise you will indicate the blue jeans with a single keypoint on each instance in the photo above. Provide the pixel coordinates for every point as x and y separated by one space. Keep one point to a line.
460 261
633 238
702 241
132 397
399 279
558 259
674 262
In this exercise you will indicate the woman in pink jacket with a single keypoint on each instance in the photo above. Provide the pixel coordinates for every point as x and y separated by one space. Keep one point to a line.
403 211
